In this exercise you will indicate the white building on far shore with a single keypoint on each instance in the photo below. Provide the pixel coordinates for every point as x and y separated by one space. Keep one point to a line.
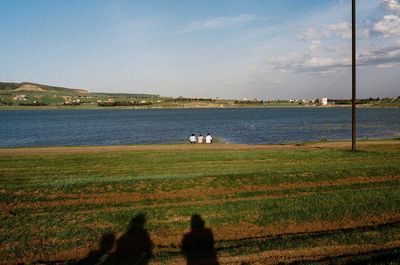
324 101
20 97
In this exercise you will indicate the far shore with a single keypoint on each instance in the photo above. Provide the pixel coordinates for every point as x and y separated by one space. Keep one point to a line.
91 107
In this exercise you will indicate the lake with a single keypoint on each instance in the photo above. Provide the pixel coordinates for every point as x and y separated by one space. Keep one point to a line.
165 126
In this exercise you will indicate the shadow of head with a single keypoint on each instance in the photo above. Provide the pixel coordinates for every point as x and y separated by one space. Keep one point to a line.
137 222
197 222
107 242
198 244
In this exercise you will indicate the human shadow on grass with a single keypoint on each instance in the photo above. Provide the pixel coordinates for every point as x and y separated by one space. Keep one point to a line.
95 256
134 247
198 244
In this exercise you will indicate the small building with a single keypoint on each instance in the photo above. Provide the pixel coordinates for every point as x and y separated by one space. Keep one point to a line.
20 97
324 101
72 102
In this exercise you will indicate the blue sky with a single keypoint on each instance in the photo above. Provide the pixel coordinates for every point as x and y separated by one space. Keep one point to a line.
230 49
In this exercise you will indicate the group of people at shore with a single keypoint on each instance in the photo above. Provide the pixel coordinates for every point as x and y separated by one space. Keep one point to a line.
200 139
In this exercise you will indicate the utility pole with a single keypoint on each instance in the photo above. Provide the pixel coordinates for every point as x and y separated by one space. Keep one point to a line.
353 76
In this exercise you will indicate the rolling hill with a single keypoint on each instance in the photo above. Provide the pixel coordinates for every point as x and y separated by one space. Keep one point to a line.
40 88
27 86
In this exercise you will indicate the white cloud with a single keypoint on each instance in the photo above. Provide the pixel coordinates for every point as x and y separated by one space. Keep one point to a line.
216 23
383 57
393 5
308 34
388 26
305 63
323 66
315 44
335 48
384 66
309 64
342 30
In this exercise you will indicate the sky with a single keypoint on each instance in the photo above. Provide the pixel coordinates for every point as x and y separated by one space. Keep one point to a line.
265 49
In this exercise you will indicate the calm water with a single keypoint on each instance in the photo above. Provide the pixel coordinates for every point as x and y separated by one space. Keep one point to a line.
250 126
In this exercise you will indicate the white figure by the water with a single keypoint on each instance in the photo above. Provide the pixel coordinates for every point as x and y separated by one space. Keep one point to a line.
192 139
208 139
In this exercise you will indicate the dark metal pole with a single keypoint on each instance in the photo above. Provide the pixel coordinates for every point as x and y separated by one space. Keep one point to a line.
353 64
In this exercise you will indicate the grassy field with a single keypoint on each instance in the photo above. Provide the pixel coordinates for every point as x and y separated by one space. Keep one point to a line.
304 204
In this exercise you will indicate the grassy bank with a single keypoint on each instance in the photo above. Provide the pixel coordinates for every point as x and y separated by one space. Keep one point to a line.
265 204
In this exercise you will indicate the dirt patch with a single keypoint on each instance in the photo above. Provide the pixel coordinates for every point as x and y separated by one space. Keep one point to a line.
161 147
29 87
362 145
306 254
264 257
287 256
194 194
189 203
169 240
252 231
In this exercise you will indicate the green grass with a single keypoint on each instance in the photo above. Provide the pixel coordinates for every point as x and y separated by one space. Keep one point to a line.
47 198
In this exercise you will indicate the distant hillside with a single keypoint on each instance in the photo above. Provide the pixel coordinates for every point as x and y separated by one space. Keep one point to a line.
27 86
126 95
33 87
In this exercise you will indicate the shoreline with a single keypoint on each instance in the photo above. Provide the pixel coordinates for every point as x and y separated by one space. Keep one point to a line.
12 108
361 144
